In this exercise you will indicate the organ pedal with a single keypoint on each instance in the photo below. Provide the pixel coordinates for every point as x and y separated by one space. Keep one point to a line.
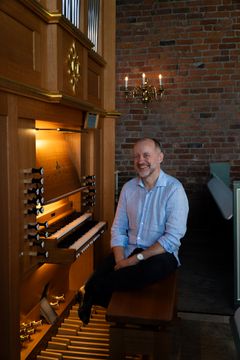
75 341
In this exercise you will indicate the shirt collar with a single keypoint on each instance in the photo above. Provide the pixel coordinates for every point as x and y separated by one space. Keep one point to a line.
161 180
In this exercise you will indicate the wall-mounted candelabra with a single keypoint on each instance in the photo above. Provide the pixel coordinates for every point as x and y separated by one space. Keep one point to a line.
144 92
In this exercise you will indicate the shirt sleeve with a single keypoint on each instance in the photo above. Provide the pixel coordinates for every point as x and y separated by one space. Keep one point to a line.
119 230
176 220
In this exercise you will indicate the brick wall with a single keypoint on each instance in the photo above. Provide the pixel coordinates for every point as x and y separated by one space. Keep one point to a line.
195 45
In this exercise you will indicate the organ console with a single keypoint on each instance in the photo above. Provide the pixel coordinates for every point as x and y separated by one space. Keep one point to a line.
60 229
57 172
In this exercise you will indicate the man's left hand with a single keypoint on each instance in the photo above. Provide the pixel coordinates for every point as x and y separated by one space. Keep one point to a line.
132 260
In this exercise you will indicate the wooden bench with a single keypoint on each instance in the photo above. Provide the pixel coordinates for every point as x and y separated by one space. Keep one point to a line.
140 321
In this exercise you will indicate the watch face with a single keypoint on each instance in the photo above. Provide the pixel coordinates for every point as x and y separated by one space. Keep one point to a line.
140 257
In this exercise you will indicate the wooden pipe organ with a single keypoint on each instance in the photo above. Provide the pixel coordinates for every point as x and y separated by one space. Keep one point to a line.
57 166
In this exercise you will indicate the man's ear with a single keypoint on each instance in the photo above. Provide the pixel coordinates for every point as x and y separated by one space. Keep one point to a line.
161 157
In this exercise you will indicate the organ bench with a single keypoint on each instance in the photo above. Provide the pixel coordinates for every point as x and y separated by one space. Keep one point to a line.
141 321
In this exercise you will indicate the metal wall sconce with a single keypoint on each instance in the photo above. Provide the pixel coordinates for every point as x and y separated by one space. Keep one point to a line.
144 92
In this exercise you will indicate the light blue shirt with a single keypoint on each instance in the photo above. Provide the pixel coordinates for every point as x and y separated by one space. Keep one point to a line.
144 217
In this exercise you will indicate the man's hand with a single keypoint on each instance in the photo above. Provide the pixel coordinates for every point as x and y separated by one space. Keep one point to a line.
132 260
118 251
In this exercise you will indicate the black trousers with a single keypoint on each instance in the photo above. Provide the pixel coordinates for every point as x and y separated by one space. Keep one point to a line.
105 280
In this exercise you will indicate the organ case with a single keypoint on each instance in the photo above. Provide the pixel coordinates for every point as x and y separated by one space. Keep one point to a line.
49 79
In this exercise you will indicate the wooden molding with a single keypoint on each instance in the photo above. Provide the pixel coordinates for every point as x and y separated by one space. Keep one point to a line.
17 88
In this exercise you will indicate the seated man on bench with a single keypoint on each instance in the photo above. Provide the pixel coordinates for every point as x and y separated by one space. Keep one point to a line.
149 223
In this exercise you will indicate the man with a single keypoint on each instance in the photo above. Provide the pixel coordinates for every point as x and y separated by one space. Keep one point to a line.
150 220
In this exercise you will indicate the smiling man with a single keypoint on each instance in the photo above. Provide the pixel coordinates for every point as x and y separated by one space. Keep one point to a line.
150 221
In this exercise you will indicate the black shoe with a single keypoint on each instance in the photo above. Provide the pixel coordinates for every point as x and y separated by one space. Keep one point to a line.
84 312
80 296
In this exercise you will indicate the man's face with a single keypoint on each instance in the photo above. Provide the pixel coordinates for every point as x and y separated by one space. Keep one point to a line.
147 159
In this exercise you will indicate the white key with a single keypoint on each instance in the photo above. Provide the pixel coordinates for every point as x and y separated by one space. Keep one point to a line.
65 229
87 236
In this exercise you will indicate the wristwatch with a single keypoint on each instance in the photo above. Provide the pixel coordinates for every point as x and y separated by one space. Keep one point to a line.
140 257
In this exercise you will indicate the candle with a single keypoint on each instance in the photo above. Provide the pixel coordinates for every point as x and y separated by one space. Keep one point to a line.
143 79
160 79
126 82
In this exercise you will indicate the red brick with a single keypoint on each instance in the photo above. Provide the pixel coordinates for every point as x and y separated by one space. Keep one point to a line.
200 105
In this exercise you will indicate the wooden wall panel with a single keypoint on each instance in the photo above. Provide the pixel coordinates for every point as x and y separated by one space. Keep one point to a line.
61 164
9 198
55 114
47 280
20 45
51 81
81 269
94 85
4 265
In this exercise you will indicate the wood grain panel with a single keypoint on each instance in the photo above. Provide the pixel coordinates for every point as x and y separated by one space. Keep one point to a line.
59 155
58 116
47 280
9 197
19 50
94 82
81 269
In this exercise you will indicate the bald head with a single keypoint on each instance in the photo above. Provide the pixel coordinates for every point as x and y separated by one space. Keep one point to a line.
154 141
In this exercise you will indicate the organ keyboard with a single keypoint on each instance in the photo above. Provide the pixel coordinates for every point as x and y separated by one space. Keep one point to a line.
70 236
60 232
